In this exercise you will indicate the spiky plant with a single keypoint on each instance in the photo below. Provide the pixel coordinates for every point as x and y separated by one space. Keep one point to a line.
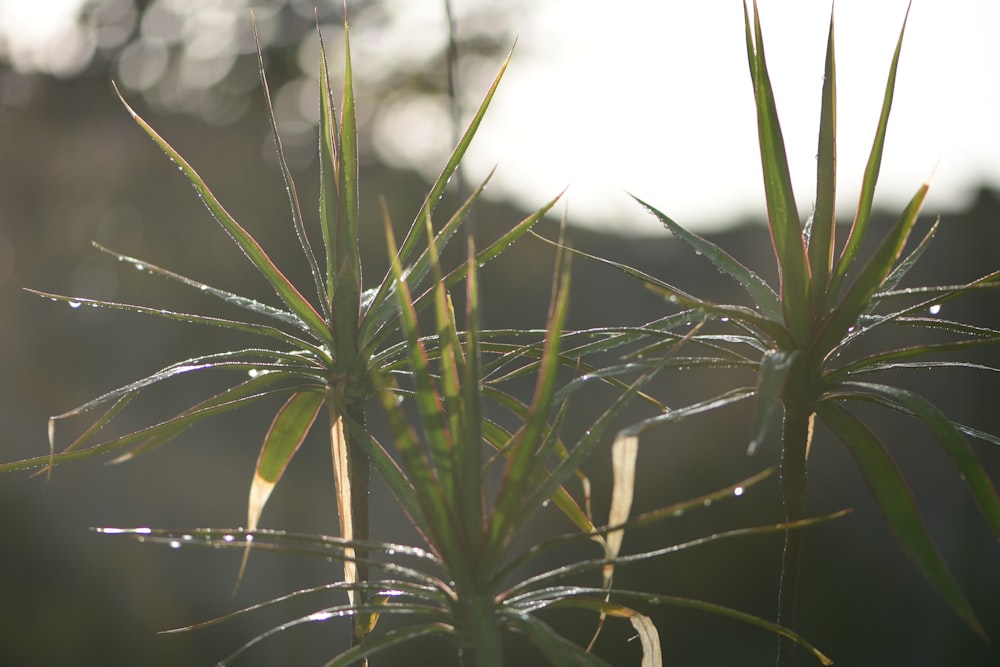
318 354
469 581
801 338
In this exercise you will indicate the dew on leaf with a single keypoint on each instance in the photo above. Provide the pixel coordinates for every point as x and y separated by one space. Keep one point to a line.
935 309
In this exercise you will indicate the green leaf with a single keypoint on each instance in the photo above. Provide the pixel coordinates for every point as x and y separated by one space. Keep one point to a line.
782 213
234 325
532 444
251 305
893 496
774 367
346 296
293 198
823 232
287 431
762 294
282 286
557 649
870 178
867 283
950 438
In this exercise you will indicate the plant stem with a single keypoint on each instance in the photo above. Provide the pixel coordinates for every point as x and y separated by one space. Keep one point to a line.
795 439
360 476
478 629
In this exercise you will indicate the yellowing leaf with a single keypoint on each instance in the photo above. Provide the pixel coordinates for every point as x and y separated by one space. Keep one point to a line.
623 455
286 434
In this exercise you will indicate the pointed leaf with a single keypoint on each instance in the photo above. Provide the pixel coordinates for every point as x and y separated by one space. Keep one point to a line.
287 431
286 174
870 178
950 438
282 286
774 367
763 296
822 236
782 213
893 496
871 277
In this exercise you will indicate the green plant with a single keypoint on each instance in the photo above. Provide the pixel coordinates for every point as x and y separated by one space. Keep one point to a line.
324 351
800 337
468 584
471 484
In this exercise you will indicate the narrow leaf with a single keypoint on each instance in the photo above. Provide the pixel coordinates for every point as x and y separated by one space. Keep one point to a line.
774 367
782 213
284 437
893 496
282 286
822 237
763 296
870 178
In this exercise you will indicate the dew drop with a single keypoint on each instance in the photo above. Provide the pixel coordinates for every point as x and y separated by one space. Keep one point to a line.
175 544
75 304
724 319
545 503
935 309
228 538
707 502
140 267
738 491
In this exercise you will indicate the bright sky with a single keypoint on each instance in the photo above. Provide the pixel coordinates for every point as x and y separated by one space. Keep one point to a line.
653 97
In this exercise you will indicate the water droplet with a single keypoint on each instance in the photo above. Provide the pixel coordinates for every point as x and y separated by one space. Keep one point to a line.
545 503
678 512
935 309
707 502
140 267
724 319
228 538
249 537
175 544
75 304
187 538
320 616
738 491
850 329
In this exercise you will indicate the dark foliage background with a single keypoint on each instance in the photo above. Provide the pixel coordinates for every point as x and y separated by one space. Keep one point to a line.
74 168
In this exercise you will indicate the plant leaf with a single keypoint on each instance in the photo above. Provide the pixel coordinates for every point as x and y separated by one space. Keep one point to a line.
822 236
774 367
950 438
762 294
782 213
870 178
893 496
282 286
871 277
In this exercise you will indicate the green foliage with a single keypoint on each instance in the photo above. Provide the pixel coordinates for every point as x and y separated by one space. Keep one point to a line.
470 483
804 331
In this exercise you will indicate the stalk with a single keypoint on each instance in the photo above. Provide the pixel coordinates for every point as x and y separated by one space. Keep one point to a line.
352 473
795 439
479 631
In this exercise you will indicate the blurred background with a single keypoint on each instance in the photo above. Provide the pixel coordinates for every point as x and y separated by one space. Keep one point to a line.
604 100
